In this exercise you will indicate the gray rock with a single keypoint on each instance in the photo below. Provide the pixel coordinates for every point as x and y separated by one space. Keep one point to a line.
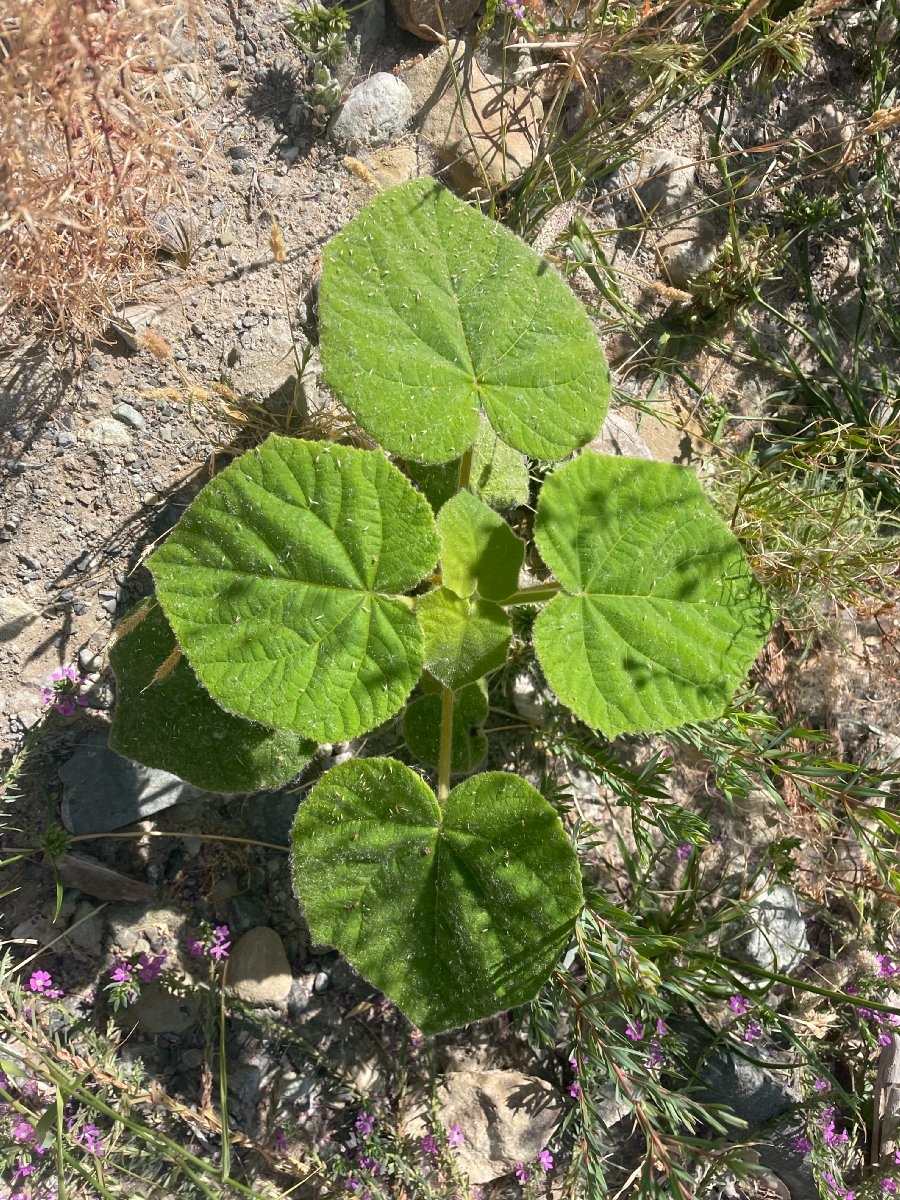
108 433
15 616
86 930
528 698
129 416
507 1117
776 941
103 791
489 140
65 439
158 1011
88 661
688 250
752 1093
258 969
420 17
664 180
619 437
376 111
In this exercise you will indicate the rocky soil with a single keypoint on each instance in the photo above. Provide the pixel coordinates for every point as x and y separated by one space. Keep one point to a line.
98 460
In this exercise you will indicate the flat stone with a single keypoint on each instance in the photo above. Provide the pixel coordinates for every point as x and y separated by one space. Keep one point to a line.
776 940
663 181
108 433
420 17
619 437
103 791
488 141
158 1011
15 616
258 969
376 111
507 1118
688 250
129 416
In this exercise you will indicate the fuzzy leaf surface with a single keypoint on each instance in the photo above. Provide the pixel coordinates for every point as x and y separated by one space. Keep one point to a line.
431 314
454 914
283 580
175 725
479 551
660 616
464 639
422 728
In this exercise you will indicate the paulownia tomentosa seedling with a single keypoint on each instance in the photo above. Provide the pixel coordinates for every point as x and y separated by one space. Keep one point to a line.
298 602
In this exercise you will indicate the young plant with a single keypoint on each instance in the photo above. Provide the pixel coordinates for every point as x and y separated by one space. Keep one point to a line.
298 602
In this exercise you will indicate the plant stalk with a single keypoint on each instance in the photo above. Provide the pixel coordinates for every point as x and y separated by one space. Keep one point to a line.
446 745
533 595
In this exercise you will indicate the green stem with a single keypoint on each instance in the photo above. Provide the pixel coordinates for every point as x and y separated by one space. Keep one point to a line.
533 595
446 747
465 470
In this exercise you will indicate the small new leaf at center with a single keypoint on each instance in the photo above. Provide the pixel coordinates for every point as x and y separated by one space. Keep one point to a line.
464 639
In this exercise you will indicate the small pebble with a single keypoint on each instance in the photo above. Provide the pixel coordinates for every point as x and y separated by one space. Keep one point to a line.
239 167
240 151
109 605
65 439
88 661
321 982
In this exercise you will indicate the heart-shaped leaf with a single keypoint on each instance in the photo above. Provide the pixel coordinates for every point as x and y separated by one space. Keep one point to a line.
422 727
661 615
454 913
165 719
464 639
431 313
479 551
282 583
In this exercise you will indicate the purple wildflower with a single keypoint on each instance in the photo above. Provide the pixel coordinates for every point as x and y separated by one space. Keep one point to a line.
281 1142
90 1139
801 1145
39 981
120 971
829 1133
684 851
364 1124
23 1169
739 1005
889 1185
516 8
820 1085
149 968
23 1131
574 1090
522 1173
456 1137
194 947
62 694
752 1031
634 1030
887 968
429 1145
545 1160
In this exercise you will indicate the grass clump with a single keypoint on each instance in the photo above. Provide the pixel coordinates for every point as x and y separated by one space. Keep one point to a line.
91 148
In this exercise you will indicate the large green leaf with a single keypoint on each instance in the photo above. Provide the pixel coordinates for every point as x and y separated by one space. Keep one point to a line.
282 583
431 313
422 727
464 639
165 719
454 913
479 551
661 616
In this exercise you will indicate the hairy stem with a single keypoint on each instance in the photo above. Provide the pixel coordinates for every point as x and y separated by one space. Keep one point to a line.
446 746
533 595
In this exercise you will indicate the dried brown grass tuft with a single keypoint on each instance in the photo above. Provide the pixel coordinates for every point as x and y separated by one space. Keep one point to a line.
92 146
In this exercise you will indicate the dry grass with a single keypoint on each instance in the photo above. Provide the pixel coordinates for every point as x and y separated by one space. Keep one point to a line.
92 146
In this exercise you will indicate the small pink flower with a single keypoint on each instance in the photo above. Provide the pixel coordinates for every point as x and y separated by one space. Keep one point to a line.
752 1031
456 1137
801 1145
39 981
429 1145
574 1090
522 1173
634 1030
149 968
545 1158
684 851
739 1005
23 1131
